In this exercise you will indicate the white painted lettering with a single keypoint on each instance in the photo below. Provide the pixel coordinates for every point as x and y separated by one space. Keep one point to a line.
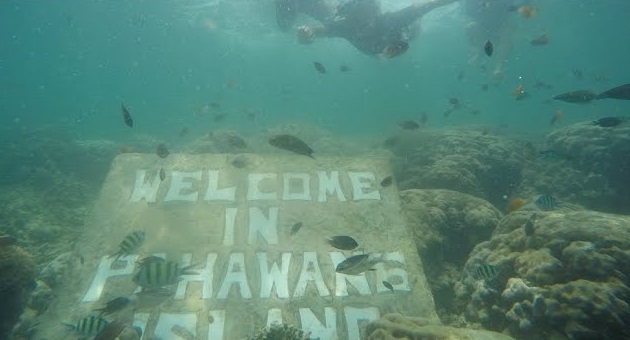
297 186
169 323
274 316
235 276
230 220
310 323
143 189
254 192
361 181
274 277
214 193
356 316
205 275
395 275
180 182
310 273
105 271
329 185
267 228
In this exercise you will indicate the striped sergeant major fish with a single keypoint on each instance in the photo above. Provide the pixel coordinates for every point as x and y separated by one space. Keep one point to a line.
546 203
89 325
130 243
486 272
156 273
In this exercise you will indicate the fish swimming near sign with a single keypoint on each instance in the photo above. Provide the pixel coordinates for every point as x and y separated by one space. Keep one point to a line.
319 67
620 92
409 125
608 121
126 116
162 174
111 331
488 48
113 306
387 181
162 151
546 202
529 225
577 97
89 325
291 143
130 243
486 272
157 274
357 264
388 285
296 227
343 242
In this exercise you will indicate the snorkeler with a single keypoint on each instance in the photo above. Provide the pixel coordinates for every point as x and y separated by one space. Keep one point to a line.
360 22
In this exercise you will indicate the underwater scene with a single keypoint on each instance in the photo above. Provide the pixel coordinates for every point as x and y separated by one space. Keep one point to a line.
314 169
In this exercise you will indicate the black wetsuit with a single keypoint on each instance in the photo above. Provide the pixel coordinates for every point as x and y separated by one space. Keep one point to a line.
361 22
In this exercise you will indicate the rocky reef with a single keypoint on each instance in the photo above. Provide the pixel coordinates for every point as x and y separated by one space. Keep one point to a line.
567 277
16 283
280 332
396 326
602 153
446 226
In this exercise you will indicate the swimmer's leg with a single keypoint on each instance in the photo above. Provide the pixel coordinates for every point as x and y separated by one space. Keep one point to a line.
405 17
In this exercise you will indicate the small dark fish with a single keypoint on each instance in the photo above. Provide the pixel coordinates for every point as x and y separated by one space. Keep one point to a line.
454 102
424 118
540 40
183 132
218 118
343 242
239 162
291 143
81 259
488 48
546 202
447 112
394 49
484 87
475 112
162 174
486 272
357 264
162 151
126 115
157 274
89 325
296 227
319 67
114 305
344 68
388 285
387 181
215 105
111 331
529 225
148 259
608 121
235 142
409 125
130 243
579 96
620 92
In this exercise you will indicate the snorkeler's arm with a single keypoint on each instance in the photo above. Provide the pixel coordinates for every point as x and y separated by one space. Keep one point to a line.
407 16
